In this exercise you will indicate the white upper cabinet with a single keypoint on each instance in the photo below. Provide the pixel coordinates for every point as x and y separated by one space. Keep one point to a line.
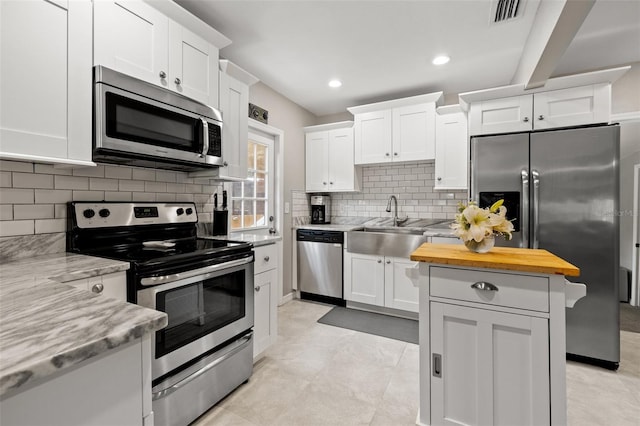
329 162
45 81
452 148
542 110
397 130
154 48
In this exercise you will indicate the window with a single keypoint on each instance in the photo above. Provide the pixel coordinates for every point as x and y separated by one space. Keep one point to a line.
250 204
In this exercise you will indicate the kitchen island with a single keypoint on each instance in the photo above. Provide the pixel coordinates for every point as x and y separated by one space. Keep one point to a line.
69 355
492 335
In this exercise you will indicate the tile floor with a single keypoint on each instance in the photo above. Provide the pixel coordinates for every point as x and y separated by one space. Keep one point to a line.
317 374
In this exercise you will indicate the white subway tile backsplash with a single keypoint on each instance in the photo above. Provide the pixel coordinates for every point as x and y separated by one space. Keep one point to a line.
117 172
6 212
165 197
16 166
72 182
33 211
60 211
97 171
50 169
193 188
143 196
12 228
5 179
32 180
16 196
143 174
88 195
185 198
52 196
166 176
99 184
178 188
131 185
155 186
48 226
117 196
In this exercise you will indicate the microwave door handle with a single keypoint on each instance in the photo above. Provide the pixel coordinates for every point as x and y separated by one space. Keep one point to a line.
205 137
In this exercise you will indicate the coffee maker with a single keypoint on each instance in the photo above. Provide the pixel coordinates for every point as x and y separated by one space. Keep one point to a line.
320 209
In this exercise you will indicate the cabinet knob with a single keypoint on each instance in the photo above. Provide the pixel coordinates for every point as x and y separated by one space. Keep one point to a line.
178 81
395 153
163 74
386 154
97 288
266 258
324 183
439 179
541 117
225 164
526 119
379 261
257 288
330 183
388 261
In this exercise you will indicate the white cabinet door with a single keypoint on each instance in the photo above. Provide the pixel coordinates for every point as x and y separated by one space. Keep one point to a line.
340 162
193 67
364 278
373 137
452 151
572 107
400 293
414 132
46 86
488 367
505 115
316 161
234 101
132 37
265 327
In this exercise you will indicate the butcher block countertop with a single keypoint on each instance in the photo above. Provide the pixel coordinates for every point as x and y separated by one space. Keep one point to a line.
507 258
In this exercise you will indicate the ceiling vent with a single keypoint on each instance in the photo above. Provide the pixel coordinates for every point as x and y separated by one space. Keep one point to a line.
505 10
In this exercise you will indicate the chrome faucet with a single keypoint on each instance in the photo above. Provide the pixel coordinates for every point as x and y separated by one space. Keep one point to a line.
395 211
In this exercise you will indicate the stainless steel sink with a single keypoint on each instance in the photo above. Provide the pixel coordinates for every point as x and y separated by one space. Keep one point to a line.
398 242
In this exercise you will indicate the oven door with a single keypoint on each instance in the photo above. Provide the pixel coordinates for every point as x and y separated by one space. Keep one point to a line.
206 309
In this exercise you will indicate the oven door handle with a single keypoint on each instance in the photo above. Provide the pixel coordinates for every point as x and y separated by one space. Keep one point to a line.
234 348
205 272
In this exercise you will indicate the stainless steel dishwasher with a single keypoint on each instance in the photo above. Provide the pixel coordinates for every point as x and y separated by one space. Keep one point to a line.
320 265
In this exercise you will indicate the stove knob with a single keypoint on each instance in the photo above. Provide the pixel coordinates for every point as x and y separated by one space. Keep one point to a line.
180 211
189 210
89 213
104 212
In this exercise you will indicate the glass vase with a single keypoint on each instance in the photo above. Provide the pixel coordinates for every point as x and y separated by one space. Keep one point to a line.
483 246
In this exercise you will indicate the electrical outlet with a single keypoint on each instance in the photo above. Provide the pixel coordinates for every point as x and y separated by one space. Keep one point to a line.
286 207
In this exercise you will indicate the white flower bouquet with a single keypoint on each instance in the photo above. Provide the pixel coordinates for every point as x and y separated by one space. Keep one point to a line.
475 225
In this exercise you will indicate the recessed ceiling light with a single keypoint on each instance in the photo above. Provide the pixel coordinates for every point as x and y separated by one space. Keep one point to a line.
440 60
335 83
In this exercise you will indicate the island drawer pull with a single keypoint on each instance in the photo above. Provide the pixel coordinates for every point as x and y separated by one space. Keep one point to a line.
97 288
437 365
482 285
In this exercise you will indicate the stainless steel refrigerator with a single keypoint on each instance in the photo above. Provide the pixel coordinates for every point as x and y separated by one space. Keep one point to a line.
561 187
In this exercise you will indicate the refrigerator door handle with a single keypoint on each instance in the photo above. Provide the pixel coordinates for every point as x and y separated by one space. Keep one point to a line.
524 214
536 208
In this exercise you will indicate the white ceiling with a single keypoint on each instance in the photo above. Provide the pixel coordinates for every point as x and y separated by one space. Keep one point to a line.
383 49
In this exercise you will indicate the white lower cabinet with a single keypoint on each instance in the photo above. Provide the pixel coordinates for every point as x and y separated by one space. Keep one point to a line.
265 283
488 367
109 285
380 281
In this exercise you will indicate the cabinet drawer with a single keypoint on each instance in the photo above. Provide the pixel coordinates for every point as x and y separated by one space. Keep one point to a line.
513 290
266 258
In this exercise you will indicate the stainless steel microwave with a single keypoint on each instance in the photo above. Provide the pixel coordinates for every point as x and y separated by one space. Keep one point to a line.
139 124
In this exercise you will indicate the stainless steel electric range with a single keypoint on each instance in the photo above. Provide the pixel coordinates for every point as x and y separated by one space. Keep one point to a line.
204 286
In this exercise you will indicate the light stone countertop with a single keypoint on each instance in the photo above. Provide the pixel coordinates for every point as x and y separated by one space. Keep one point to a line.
383 222
47 326
256 239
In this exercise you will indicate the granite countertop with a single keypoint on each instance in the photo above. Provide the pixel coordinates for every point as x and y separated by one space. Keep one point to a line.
507 258
47 326
256 239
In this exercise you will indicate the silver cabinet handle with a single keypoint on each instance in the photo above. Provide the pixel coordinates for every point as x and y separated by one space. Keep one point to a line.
388 262
395 153
482 285
436 364
257 288
526 119
524 216
541 117
330 183
225 164
266 258
439 179
163 74
178 81
386 154
324 183
97 288
379 261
